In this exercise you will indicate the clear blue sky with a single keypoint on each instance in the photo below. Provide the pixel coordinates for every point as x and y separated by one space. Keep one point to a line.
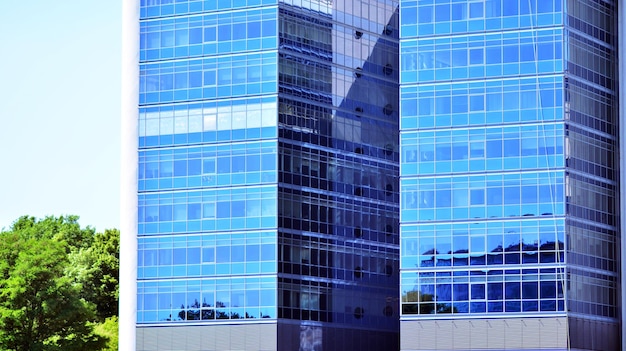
59 110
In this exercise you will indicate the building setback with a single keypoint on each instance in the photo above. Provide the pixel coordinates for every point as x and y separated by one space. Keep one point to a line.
509 183
267 173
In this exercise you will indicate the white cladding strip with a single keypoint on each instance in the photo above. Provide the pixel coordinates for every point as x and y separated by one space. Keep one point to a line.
128 175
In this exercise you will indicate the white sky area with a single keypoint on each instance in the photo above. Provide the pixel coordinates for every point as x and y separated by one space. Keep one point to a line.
60 110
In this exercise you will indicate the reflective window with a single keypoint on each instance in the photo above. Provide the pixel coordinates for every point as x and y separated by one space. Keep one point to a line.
208 210
206 299
195 79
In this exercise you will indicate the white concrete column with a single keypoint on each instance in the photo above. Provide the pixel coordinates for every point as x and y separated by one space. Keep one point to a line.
128 182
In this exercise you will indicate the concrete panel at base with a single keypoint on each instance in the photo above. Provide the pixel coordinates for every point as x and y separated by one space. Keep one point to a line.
484 334
204 338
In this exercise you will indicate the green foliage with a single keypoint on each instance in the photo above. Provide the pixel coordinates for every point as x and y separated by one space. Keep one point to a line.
96 270
40 308
109 329
57 280
62 228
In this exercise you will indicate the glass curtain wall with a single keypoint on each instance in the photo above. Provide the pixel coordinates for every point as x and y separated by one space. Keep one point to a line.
338 174
591 114
508 154
207 161
268 168
483 173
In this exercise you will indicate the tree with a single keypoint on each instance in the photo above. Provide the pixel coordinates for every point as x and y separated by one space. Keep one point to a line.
40 307
63 228
96 270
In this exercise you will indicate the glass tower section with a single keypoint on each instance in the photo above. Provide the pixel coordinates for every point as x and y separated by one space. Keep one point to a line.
338 173
208 146
508 177
268 175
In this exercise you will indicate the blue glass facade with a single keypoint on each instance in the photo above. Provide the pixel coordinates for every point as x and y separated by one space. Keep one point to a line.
299 160
268 169
208 149
507 141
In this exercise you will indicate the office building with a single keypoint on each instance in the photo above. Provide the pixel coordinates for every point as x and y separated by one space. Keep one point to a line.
260 200
509 184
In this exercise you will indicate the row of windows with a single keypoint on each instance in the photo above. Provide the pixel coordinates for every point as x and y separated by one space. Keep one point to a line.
592 242
208 137
362 192
320 82
189 118
446 10
485 55
482 118
222 253
221 209
491 243
238 206
375 16
230 164
344 13
160 8
340 304
212 48
482 102
305 73
227 158
267 86
494 194
229 76
593 196
157 8
252 177
476 16
461 239
442 102
482 165
379 226
595 18
531 256
593 153
305 34
547 208
207 269
344 215
528 228
207 261
208 122
592 56
591 107
208 35
199 240
526 147
593 287
206 299
226 253
482 237
481 292
501 298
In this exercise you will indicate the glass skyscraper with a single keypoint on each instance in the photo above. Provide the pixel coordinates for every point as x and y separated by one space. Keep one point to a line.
372 175
509 183
267 178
